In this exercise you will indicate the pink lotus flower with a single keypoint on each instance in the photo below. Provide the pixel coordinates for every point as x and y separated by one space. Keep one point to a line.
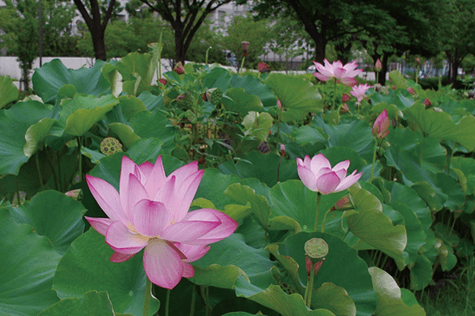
378 66
359 92
381 125
318 175
345 74
263 67
151 211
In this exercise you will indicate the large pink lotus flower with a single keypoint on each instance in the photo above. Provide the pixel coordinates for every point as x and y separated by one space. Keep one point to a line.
318 175
359 92
345 74
151 211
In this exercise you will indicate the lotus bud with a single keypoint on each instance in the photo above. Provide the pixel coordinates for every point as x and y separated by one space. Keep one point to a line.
381 125
264 148
378 66
343 204
263 67
75 194
282 149
394 87
344 109
245 47
427 102
345 98
279 105
377 87
316 249
179 69
110 146
163 81
411 90
418 61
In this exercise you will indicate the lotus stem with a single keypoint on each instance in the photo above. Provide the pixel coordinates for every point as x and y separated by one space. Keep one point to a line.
38 168
374 159
325 220
80 158
242 65
451 156
309 289
319 195
193 300
148 294
206 61
167 302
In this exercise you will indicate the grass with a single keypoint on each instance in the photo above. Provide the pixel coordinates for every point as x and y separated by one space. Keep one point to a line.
453 295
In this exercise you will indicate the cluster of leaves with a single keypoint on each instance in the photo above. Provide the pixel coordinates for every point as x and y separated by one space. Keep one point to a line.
413 217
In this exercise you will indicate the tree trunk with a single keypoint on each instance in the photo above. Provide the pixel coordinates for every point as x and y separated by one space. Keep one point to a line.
180 51
99 45
384 70
320 48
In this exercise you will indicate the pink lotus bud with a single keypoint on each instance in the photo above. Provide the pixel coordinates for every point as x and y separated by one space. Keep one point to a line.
378 66
427 102
263 67
394 87
245 45
418 61
163 81
282 149
343 204
179 69
345 98
344 109
279 105
411 90
381 125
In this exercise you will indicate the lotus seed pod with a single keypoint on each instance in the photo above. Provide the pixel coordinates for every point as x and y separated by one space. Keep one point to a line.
264 147
316 249
214 96
185 100
385 90
110 146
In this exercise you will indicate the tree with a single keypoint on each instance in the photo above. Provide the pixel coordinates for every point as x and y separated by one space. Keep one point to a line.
185 17
19 22
96 22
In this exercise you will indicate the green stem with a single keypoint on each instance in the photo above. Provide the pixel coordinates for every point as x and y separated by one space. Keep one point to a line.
80 158
167 302
148 294
374 159
377 77
206 60
193 300
318 211
450 160
38 169
309 289
417 75
242 65
160 58
325 220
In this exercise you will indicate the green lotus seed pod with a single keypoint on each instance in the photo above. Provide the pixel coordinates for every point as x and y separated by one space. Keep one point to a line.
316 249
185 100
214 96
110 146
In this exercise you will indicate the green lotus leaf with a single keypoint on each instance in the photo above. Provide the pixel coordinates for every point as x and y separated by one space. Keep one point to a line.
391 109
218 276
139 69
28 264
440 125
257 125
8 91
421 273
427 193
375 228
308 134
94 155
152 102
126 133
86 267
54 215
334 298
245 196
145 125
295 93
291 198
398 79
145 149
217 77
212 187
48 79
253 86
450 186
92 303
67 91
390 302
445 254
467 166
13 141
242 102
130 106
342 267
112 74
35 135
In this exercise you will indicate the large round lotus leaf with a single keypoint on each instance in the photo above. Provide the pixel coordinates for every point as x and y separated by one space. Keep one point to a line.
421 273
440 125
156 124
291 198
54 215
217 77
241 102
92 303
36 134
82 112
28 263
390 302
342 267
356 135
48 79
295 93
131 105
8 91
253 86
467 166
152 102
86 267
14 124
308 134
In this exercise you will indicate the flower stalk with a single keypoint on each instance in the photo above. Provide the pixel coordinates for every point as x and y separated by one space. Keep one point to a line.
319 196
148 295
